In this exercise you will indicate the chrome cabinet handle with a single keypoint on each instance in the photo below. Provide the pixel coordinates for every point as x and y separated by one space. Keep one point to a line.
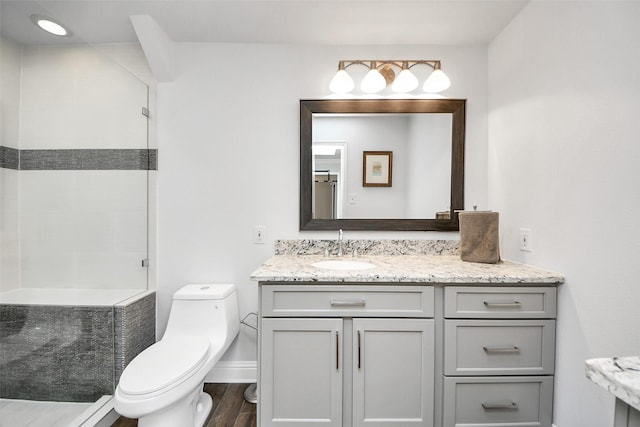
500 405
354 303
359 351
508 349
489 304
337 351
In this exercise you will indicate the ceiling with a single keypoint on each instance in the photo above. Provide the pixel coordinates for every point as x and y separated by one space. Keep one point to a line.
332 22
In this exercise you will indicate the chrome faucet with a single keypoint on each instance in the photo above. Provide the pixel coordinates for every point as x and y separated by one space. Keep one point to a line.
340 244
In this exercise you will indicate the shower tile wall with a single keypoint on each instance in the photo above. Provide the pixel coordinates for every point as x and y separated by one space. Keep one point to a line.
72 354
56 353
10 55
135 330
83 229
83 171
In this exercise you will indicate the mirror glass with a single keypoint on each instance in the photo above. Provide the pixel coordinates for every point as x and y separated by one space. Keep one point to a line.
385 164
416 191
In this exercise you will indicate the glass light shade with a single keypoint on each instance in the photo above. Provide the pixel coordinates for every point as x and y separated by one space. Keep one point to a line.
436 82
373 82
405 82
341 82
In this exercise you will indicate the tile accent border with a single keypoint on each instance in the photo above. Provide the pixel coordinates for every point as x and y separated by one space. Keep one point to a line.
9 157
79 159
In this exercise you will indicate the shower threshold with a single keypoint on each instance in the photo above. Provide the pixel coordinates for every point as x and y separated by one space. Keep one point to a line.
22 413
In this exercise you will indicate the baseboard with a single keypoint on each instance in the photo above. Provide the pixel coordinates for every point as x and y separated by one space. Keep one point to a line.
233 372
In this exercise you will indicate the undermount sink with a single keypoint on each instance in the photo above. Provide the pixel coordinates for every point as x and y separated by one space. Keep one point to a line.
339 264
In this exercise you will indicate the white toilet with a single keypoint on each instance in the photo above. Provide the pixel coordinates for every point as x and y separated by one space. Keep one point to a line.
162 386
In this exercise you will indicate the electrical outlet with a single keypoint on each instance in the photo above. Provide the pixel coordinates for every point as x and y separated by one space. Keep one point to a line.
258 234
525 240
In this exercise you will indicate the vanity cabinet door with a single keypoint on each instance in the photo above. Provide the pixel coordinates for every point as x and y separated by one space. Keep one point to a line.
301 372
393 372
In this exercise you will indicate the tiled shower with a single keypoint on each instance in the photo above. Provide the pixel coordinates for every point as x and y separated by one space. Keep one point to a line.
74 178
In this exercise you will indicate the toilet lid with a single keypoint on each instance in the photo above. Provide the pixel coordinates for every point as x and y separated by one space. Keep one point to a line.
167 362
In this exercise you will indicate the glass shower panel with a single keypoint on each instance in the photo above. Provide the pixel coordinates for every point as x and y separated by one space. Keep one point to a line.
84 162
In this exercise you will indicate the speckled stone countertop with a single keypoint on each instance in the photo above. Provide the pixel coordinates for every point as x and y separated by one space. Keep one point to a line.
619 375
403 269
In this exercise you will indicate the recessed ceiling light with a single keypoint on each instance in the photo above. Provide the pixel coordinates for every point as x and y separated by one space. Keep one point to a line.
50 26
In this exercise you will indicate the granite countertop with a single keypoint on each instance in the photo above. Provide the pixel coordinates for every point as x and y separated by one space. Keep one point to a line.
618 375
403 269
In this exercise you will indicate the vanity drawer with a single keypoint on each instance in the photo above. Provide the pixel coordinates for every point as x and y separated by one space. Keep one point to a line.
497 401
346 301
500 302
499 347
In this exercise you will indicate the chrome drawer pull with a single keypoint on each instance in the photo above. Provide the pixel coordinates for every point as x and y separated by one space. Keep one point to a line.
354 303
500 405
489 304
510 349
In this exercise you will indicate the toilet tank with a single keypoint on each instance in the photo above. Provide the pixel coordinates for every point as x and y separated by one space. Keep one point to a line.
205 310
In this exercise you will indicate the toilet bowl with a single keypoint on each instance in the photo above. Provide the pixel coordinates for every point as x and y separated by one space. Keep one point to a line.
162 386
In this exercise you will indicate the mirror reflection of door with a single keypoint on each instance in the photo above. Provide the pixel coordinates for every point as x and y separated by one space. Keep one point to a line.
329 170
326 195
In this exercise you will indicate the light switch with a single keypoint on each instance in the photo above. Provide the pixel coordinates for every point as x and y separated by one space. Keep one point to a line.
258 234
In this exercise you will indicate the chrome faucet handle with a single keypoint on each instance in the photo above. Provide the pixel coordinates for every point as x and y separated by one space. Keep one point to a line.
340 247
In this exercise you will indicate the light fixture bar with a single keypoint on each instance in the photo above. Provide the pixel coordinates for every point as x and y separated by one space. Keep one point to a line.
380 70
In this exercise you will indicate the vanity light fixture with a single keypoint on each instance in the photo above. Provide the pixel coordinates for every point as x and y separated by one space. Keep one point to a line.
373 81
50 26
381 74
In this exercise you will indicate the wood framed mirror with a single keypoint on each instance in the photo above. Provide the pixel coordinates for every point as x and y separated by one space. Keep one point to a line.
427 139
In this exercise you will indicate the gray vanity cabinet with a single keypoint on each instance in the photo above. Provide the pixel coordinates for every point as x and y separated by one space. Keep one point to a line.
499 351
346 356
449 355
625 415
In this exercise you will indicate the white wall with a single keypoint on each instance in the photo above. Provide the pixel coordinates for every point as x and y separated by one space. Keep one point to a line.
228 139
564 104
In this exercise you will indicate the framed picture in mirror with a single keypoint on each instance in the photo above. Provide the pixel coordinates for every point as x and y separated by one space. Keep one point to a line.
377 168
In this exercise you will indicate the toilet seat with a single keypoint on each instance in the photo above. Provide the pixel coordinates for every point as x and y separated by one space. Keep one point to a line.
164 365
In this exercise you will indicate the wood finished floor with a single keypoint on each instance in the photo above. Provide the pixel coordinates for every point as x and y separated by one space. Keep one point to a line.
229 408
